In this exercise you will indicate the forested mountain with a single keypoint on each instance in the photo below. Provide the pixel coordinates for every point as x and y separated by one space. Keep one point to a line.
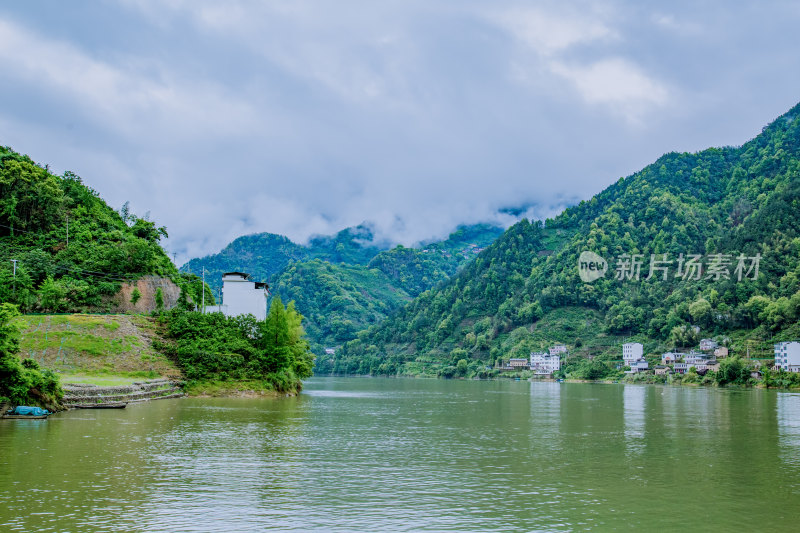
344 283
338 300
262 255
726 205
71 249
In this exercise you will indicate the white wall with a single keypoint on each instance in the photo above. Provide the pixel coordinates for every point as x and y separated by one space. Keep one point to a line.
241 297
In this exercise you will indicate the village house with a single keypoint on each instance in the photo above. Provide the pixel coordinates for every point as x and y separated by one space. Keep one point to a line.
708 344
787 356
713 365
721 352
632 352
544 364
330 351
558 349
697 360
680 368
241 296
661 370
638 366
672 357
518 364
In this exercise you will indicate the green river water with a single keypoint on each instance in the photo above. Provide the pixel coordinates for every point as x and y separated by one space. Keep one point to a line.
360 454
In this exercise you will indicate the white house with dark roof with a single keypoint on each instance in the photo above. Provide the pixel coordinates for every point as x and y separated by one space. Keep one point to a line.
242 296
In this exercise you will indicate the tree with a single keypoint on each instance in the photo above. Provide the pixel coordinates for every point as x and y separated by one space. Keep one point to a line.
684 336
159 299
52 295
733 370
23 382
136 295
701 312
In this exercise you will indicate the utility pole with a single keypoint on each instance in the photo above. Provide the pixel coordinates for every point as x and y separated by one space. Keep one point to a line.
15 276
203 288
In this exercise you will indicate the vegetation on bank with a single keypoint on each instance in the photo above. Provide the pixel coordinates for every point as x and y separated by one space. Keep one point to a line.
23 382
72 250
213 348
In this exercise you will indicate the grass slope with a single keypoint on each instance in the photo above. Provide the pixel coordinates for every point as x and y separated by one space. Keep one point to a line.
93 346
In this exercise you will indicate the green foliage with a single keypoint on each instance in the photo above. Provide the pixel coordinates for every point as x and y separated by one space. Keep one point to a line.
733 370
213 347
135 296
104 248
23 382
345 283
264 255
159 299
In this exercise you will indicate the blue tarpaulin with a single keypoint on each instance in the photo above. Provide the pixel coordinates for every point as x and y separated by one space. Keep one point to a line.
30 411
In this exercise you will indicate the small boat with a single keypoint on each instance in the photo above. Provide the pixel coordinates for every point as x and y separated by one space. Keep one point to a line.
109 405
24 412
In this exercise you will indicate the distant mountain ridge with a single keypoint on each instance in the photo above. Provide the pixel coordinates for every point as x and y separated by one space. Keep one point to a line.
262 255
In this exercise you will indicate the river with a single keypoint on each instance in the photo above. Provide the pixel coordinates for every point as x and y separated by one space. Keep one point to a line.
358 454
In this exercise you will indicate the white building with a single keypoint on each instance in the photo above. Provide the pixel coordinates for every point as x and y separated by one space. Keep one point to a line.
708 344
544 364
558 348
632 352
787 356
671 357
240 296
696 360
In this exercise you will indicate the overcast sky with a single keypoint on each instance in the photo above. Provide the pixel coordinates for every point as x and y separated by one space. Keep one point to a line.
304 117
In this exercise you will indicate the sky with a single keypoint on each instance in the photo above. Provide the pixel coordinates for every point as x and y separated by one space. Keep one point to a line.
300 117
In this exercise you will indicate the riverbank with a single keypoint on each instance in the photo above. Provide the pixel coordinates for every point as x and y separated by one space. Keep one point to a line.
774 380
236 389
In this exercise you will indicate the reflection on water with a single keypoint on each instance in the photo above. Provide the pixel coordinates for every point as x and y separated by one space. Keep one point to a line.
396 454
788 407
634 413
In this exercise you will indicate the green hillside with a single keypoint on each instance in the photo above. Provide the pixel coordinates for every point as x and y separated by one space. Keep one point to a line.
735 201
342 283
263 255
72 249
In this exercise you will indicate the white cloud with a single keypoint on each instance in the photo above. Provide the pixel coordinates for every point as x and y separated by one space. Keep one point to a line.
613 82
549 33
301 116
617 83
134 98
